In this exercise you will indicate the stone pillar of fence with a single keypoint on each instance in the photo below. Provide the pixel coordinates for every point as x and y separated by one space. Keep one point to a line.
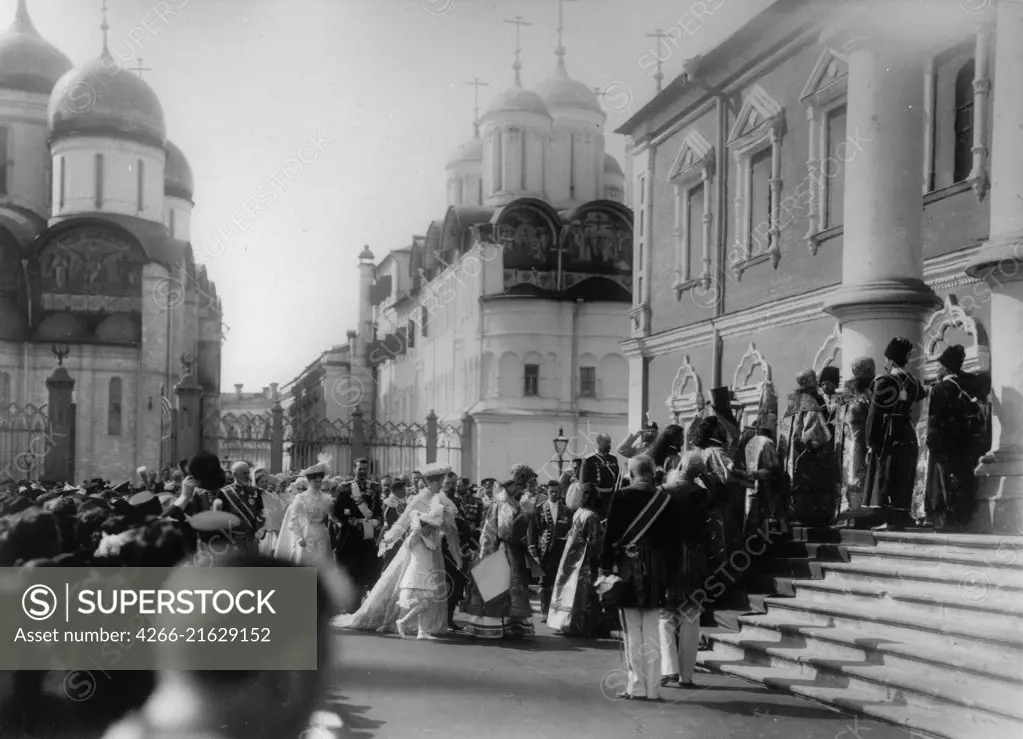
188 419
468 447
359 447
431 437
59 463
276 437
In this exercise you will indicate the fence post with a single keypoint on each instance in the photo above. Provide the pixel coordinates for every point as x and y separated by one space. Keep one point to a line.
431 437
59 463
188 419
468 446
276 437
358 436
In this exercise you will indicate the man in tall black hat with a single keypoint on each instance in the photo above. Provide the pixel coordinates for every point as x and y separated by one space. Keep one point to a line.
721 405
828 381
955 424
637 442
891 438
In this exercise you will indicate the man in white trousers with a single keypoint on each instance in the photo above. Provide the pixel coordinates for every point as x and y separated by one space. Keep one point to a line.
636 548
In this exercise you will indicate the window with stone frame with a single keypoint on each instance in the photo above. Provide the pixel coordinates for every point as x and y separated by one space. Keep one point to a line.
957 104
963 123
833 168
756 139
691 177
588 382
531 380
825 96
114 408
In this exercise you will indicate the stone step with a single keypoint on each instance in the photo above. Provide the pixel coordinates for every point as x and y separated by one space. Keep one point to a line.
972 585
813 552
968 668
925 689
901 626
1007 546
771 584
796 567
865 694
831 535
917 600
977 567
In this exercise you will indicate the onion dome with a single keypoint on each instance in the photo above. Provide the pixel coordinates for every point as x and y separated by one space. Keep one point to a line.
177 174
611 165
119 328
517 99
366 254
561 91
105 99
470 151
28 62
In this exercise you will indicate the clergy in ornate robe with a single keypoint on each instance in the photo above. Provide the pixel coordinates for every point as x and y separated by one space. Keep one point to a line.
891 438
805 445
850 434
575 608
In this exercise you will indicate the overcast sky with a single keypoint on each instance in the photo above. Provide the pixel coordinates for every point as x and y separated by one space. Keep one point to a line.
370 94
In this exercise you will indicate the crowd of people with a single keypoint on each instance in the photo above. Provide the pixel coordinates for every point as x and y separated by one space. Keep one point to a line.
625 550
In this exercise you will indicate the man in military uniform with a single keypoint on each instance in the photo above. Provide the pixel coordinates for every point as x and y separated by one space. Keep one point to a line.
243 500
602 470
358 511
546 538
891 438
955 423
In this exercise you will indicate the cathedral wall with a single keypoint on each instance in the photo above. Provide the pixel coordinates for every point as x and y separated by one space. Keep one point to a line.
664 367
180 224
954 221
28 180
667 311
119 182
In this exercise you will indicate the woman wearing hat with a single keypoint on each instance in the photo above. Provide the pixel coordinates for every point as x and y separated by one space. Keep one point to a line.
305 538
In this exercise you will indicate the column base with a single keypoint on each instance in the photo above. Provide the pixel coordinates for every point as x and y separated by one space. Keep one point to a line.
999 495
871 315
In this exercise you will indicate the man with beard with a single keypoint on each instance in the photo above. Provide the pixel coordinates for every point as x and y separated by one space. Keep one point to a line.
358 511
808 453
245 501
548 531
891 437
601 469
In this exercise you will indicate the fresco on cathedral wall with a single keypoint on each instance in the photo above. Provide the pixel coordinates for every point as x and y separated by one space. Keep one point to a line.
528 238
598 242
90 269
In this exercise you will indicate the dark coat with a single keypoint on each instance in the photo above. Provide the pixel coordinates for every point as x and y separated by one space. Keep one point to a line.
647 573
349 516
892 441
687 525
547 533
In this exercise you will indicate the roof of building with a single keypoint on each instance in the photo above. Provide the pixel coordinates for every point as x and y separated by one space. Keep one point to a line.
561 91
102 98
177 174
611 165
469 151
517 99
28 62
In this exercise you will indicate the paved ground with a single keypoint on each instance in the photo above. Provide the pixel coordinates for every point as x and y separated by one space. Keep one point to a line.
553 687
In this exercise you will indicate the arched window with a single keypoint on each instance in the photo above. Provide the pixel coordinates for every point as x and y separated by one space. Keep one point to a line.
964 123
63 181
114 407
5 391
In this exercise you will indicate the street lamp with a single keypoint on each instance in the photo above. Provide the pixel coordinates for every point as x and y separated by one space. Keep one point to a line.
560 445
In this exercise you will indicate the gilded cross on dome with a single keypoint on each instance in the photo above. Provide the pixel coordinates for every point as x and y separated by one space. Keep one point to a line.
139 69
60 351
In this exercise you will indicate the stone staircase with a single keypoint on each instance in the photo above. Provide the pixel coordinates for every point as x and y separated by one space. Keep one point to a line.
922 630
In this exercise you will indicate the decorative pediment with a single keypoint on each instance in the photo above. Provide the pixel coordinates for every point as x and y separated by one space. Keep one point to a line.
759 112
686 398
751 371
829 353
949 325
696 152
827 80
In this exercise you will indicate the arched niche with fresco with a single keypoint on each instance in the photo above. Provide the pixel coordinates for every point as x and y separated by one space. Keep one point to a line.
88 286
528 231
597 239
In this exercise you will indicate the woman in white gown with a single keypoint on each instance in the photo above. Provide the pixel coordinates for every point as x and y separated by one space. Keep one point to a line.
382 607
274 506
304 536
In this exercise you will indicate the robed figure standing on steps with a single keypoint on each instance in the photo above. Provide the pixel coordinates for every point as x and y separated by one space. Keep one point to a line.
891 438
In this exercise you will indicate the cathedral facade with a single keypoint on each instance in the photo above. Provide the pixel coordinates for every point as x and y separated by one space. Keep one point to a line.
95 208
505 316
816 185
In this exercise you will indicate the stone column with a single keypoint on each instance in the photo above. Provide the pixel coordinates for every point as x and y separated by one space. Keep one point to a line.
59 460
276 436
158 293
882 293
1000 475
468 467
362 369
431 437
189 420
